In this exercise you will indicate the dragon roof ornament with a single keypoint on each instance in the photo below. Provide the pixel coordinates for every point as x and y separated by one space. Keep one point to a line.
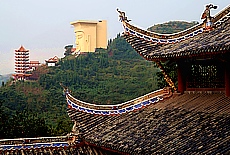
208 19
122 16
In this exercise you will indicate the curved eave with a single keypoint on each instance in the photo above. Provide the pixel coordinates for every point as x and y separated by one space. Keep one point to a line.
217 19
162 36
132 105
22 51
212 43
193 42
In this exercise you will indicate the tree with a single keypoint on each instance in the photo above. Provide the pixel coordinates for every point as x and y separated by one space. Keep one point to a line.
3 120
171 70
68 49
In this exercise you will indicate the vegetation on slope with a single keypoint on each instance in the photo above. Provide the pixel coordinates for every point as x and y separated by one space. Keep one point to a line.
172 27
38 108
110 76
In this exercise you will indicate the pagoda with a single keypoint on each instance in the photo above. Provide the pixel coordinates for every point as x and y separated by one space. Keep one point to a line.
21 64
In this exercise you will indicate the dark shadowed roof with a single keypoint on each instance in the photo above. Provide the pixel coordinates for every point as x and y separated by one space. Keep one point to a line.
192 42
183 124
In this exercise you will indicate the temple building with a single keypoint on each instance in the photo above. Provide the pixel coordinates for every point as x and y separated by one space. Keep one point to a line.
90 35
191 118
34 65
201 53
52 61
21 64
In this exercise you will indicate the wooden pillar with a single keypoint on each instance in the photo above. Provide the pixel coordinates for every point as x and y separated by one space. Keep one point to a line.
181 78
227 79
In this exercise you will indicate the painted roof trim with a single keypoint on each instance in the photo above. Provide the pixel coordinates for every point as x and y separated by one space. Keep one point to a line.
154 46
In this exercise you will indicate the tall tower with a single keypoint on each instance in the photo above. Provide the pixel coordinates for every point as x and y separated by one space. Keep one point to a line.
21 64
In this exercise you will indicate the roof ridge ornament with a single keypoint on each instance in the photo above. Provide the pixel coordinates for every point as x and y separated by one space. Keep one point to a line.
122 16
208 19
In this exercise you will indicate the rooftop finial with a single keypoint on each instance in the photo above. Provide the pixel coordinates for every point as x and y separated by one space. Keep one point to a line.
122 16
208 24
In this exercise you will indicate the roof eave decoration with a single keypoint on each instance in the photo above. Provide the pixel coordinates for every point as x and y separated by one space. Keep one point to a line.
156 47
118 109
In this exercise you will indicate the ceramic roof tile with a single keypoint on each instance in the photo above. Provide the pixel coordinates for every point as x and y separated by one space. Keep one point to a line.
198 43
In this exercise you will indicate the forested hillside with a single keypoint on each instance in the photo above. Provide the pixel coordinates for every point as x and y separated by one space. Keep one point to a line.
172 27
108 76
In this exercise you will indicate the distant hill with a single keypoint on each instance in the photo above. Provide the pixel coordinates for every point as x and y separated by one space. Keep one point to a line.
4 78
172 27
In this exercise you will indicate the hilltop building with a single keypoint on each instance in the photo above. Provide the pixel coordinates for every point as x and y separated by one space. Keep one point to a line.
34 65
201 53
90 35
21 64
70 50
52 61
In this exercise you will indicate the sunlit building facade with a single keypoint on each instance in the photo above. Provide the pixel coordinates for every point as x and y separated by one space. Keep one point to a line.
90 35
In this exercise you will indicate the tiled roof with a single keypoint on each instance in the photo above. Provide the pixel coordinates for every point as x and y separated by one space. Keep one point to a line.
192 42
73 50
34 62
132 105
185 124
54 59
52 145
21 49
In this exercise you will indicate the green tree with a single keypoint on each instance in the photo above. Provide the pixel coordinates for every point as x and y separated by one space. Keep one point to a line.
68 49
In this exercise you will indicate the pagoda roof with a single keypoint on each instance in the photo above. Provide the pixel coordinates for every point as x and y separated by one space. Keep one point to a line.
73 50
34 62
21 74
117 109
21 49
52 60
192 42
182 124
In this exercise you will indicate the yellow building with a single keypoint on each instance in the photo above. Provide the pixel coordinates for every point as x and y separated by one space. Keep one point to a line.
90 35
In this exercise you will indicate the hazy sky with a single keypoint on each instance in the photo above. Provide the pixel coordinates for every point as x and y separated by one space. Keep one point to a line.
43 26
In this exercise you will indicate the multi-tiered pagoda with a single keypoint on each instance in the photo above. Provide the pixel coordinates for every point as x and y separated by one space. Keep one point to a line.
21 64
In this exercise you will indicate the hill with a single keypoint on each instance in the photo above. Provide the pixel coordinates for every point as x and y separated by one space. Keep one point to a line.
108 76
171 27
4 78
